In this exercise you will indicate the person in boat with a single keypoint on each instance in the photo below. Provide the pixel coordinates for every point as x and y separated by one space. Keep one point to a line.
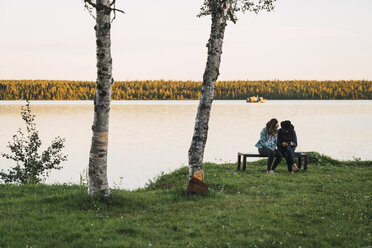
287 143
267 145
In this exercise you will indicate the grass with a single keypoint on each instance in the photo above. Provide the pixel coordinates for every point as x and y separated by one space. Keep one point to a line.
327 206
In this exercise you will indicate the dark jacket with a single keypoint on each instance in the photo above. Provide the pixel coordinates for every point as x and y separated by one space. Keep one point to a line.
289 136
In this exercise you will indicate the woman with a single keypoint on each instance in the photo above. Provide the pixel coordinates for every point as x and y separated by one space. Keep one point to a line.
287 143
267 144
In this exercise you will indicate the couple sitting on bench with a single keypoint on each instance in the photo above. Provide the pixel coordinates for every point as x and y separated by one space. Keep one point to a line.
285 139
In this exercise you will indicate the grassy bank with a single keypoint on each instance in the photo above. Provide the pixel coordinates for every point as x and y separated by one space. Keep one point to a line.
327 206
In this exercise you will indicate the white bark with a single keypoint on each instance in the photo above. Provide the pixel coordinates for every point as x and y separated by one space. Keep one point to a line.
211 73
98 184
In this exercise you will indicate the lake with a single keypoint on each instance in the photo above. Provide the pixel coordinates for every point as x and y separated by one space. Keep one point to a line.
150 137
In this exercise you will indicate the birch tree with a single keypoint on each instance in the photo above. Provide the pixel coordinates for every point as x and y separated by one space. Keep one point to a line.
98 183
221 11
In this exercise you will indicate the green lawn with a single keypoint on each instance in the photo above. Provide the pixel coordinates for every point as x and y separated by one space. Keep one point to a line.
327 206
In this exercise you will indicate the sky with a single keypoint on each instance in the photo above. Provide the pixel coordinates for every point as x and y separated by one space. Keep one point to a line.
301 39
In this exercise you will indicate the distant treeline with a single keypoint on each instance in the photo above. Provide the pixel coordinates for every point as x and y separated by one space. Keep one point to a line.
179 90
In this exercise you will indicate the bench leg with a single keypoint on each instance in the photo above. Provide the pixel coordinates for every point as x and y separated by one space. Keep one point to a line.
239 161
244 163
305 164
299 162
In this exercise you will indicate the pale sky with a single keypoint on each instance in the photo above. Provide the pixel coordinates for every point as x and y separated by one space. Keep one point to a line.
301 39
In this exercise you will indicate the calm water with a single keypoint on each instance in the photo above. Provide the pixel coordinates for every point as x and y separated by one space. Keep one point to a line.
148 137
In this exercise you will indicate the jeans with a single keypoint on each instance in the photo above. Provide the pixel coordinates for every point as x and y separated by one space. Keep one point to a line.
271 154
288 154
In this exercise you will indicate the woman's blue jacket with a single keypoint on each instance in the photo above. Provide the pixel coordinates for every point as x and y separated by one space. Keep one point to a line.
264 136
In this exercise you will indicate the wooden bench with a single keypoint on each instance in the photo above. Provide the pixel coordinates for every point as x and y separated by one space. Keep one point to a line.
298 155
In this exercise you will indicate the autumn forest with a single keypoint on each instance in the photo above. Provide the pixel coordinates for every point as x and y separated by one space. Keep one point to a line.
184 90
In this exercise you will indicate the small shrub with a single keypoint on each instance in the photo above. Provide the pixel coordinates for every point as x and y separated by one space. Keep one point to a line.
32 167
321 159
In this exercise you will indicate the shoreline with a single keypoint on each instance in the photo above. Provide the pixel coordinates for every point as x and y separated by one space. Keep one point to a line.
249 209
184 102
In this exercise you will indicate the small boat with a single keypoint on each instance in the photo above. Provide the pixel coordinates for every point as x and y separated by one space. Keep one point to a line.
256 99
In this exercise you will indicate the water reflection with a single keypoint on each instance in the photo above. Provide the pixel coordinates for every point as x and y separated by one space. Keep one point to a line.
147 137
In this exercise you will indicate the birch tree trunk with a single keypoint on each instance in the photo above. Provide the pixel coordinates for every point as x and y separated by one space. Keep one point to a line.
211 73
98 184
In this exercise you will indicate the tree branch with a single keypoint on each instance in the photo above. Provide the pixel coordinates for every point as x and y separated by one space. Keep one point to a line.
89 5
